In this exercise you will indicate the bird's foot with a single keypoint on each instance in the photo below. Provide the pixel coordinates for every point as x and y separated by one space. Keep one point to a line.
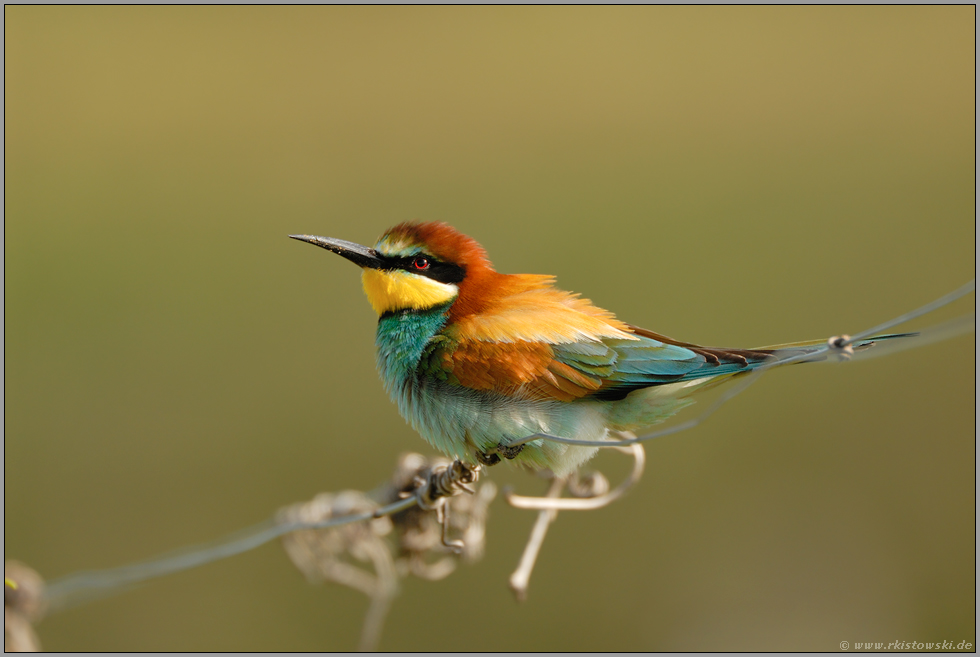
487 458
493 458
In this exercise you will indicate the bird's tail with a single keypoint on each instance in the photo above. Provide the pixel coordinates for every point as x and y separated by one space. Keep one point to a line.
720 363
733 363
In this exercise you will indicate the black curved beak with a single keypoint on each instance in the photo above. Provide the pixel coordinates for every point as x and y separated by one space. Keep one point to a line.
359 255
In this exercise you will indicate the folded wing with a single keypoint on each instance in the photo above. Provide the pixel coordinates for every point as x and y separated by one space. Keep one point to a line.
543 343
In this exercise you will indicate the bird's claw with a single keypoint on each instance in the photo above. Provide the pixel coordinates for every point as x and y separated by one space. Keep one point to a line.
487 458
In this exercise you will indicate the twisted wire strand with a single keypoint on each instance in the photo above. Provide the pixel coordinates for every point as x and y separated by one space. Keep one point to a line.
85 586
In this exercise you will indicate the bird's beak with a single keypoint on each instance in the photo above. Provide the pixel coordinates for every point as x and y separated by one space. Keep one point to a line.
359 255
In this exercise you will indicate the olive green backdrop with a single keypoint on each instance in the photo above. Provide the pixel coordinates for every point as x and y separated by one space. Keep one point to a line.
175 368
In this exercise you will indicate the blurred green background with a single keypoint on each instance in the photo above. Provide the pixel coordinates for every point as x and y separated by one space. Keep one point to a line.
175 368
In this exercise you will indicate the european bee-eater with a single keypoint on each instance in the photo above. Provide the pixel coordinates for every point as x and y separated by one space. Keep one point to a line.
476 359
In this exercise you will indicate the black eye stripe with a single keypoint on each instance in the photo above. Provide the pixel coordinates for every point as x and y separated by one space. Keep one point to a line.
444 272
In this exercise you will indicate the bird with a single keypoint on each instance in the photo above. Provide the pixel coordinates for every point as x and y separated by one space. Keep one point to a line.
477 360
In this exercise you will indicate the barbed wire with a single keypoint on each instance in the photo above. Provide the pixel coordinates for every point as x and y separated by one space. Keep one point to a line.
427 486
87 585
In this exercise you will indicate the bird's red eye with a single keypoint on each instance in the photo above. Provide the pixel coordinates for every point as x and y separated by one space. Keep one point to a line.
421 263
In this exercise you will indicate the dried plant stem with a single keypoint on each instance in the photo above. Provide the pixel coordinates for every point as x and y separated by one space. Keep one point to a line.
519 580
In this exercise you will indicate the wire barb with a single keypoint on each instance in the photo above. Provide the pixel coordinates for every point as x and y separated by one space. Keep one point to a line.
397 544
442 516
841 346
445 481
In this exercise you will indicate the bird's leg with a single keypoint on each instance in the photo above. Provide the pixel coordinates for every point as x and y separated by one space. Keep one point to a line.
487 458
509 452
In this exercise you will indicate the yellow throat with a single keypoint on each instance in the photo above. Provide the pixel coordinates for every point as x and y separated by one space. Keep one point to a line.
389 290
